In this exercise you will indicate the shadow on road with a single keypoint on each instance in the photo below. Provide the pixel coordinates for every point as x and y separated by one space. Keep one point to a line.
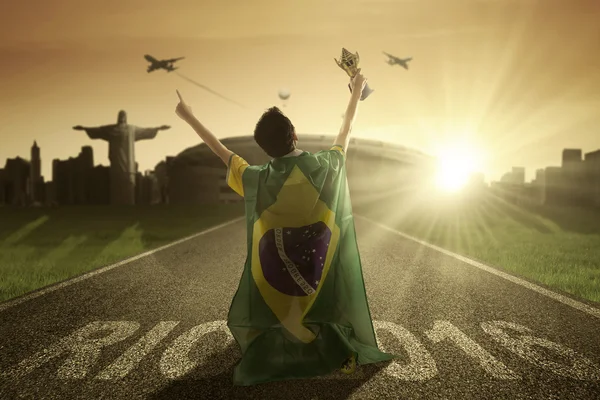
221 385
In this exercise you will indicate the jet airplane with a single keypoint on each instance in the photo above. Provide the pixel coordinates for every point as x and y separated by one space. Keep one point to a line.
393 60
161 64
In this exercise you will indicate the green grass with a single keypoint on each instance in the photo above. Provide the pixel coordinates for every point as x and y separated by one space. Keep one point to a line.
556 246
39 247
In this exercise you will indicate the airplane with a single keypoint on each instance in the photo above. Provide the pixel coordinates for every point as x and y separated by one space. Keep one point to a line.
161 64
392 60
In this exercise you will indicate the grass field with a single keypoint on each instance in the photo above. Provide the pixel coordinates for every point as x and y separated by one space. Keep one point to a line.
556 246
40 247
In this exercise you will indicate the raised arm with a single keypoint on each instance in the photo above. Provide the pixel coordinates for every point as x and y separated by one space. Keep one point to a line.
99 132
343 138
148 133
185 113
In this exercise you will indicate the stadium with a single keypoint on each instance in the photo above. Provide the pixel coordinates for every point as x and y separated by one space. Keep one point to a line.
197 176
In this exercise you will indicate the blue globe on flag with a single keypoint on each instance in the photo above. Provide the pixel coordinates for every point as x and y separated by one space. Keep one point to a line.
292 259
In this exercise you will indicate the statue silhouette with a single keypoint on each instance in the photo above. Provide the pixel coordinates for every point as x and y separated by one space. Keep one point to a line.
121 153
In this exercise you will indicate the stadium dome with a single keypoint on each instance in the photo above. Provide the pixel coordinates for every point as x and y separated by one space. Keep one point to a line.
246 147
196 175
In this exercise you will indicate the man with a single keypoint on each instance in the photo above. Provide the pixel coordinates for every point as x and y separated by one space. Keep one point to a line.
300 309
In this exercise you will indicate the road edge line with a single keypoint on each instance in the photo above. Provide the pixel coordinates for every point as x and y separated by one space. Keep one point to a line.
595 312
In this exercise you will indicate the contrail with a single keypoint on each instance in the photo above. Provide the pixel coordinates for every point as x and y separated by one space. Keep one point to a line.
210 90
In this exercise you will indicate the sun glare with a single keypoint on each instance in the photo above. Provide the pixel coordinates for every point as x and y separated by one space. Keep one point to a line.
456 164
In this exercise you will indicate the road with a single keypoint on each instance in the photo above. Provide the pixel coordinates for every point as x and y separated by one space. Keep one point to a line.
155 328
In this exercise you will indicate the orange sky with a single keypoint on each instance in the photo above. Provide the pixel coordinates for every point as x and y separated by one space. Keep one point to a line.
519 78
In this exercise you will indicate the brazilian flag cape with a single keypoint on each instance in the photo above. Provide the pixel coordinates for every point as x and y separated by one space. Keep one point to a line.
301 307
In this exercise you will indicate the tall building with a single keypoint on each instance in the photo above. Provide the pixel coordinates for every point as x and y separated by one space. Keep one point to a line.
518 175
554 191
86 156
36 163
2 183
100 185
574 191
592 168
571 157
539 187
73 178
84 163
62 176
50 194
16 182
540 176
147 190
36 181
162 180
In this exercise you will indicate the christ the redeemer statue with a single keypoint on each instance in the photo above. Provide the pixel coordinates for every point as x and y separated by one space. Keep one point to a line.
121 153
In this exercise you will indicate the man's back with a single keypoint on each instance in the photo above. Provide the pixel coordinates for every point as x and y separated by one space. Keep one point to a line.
302 291
326 164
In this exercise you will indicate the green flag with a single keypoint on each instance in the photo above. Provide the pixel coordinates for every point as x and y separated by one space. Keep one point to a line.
301 307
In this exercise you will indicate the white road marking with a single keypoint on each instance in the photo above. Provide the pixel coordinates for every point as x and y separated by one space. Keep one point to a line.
421 365
176 363
444 330
525 346
61 285
82 348
189 355
134 355
555 296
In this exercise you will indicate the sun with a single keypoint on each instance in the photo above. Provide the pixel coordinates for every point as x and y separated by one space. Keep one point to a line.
456 164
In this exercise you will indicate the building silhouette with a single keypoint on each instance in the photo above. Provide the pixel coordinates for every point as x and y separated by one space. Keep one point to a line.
576 182
514 177
2 183
37 190
197 176
100 188
69 177
592 171
147 190
162 180
15 182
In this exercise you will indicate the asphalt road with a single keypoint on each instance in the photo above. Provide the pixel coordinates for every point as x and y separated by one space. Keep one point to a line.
155 328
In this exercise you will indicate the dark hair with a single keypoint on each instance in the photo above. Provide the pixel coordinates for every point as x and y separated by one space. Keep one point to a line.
274 133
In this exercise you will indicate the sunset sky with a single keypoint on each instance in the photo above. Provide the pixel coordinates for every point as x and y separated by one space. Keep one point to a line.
518 79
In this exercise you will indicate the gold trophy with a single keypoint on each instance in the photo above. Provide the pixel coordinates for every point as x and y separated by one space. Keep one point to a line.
349 63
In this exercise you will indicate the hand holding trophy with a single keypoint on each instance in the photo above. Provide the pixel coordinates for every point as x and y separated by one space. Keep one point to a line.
359 81
349 63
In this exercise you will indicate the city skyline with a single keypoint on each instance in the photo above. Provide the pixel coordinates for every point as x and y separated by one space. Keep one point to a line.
518 80
566 155
196 176
529 174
